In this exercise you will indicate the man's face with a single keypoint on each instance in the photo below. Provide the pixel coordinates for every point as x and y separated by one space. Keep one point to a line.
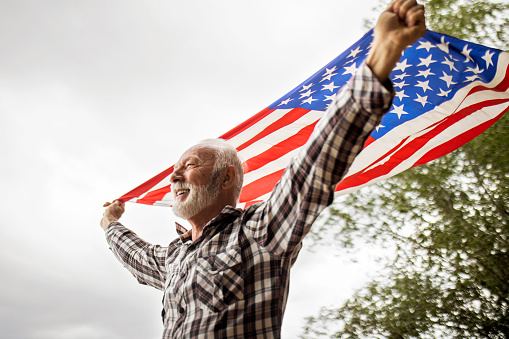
195 186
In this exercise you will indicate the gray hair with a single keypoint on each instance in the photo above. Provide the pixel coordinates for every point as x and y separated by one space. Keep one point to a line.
226 155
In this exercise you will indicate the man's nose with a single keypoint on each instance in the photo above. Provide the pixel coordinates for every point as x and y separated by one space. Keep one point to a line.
176 175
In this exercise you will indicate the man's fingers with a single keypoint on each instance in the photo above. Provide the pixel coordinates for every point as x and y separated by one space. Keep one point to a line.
402 7
415 16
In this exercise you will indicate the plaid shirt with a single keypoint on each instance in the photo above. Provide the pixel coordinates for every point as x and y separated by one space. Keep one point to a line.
232 282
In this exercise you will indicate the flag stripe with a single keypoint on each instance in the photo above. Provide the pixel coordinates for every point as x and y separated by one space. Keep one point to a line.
456 142
287 119
260 187
280 149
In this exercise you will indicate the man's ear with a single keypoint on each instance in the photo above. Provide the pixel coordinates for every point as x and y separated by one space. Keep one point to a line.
229 177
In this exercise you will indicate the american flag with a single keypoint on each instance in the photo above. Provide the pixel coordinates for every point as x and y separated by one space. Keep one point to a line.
448 91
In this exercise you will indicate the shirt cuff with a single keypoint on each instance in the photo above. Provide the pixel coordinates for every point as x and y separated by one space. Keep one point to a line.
374 96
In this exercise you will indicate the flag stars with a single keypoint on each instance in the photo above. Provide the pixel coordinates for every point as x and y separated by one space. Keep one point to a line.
425 73
427 61
400 95
400 76
424 85
444 46
329 87
448 79
350 69
426 45
379 126
305 88
329 73
444 93
306 94
473 77
329 97
309 100
466 53
400 84
399 111
354 52
285 102
476 70
402 66
422 100
487 57
449 63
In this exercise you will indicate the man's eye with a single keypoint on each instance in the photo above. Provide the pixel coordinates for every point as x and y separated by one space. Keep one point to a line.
190 165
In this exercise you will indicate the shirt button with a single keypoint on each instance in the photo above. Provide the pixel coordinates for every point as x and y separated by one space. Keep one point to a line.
182 274
181 310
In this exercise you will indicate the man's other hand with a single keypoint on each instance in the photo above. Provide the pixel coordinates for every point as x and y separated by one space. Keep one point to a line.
113 212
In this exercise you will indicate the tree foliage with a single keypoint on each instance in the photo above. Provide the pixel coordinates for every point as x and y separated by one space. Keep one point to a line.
447 220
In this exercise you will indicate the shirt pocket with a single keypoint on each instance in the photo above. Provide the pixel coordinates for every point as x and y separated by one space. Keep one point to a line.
220 279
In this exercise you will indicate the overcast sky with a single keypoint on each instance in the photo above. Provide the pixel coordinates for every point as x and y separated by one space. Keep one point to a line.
97 97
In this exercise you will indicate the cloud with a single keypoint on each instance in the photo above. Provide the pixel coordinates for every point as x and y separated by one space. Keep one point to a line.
96 97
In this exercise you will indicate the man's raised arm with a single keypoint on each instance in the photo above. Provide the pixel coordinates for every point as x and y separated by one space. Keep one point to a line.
398 26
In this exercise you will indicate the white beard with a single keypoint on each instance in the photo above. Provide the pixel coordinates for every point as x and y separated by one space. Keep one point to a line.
199 198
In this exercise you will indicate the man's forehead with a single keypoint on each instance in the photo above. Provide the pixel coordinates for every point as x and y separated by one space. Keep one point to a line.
201 153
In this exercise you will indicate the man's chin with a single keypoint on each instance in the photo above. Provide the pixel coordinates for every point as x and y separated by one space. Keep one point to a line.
180 210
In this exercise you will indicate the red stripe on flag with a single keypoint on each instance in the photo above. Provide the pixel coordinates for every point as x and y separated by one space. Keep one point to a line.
284 121
147 185
264 185
246 124
280 149
458 141
153 196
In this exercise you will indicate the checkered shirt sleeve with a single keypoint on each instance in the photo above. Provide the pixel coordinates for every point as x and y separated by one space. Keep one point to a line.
308 184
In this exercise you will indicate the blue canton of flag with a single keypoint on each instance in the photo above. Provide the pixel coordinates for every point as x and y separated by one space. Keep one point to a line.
429 73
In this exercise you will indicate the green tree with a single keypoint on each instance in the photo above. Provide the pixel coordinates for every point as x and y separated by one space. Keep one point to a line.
448 222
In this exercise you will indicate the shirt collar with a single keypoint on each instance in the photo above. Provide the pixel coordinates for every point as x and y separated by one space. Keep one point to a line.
227 212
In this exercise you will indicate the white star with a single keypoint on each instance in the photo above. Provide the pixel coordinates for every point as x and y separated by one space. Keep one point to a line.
350 69
354 52
329 73
305 88
473 77
444 46
350 61
487 57
476 70
444 93
330 87
400 84
466 53
309 100
379 126
306 94
401 95
329 97
425 73
426 62
448 79
399 111
401 66
400 76
426 44
449 63
422 100
285 102
424 85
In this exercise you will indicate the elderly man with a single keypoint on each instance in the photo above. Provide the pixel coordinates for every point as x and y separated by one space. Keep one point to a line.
228 277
